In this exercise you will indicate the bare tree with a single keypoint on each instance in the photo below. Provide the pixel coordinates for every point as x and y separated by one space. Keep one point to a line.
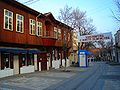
106 49
117 15
78 20
72 17
65 15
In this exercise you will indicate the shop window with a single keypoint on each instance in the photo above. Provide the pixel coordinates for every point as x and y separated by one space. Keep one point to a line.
19 23
24 59
30 59
8 20
6 61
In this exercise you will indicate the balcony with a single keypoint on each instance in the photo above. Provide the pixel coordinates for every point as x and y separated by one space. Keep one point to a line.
49 38
48 34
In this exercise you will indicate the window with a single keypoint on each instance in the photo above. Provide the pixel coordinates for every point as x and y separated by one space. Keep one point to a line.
19 23
39 29
68 36
6 61
59 34
32 27
23 59
8 20
65 39
55 32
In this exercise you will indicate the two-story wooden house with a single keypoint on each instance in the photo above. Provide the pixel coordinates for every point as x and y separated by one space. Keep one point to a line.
30 40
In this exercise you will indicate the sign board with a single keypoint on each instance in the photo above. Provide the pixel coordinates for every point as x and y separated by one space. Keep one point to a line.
97 37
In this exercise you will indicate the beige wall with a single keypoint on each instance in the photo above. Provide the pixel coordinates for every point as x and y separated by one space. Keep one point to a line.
73 55
75 41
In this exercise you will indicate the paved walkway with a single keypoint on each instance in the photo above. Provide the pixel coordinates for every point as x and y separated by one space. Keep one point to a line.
99 76
81 81
38 80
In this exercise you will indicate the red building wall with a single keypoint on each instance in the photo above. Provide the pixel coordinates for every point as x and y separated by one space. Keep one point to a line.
26 38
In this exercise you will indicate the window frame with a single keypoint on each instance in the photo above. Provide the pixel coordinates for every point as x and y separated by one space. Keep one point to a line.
55 33
23 59
68 36
6 61
39 25
8 28
65 37
22 28
59 34
33 27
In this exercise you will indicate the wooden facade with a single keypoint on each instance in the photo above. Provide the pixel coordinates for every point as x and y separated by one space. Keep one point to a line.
46 47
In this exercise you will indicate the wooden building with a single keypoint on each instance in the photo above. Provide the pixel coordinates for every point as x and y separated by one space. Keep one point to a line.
30 40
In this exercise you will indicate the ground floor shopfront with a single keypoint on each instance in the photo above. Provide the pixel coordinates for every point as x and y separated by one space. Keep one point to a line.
18 61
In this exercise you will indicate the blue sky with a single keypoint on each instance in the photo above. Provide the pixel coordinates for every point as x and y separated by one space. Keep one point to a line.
98 10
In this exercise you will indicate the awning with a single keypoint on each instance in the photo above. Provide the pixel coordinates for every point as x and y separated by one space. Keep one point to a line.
34 51
13 50
17 50
85 51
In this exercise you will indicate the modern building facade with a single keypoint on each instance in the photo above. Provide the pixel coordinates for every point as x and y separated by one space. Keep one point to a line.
30 41
117 46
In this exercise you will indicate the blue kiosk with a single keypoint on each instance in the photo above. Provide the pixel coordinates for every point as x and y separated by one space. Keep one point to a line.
83 58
